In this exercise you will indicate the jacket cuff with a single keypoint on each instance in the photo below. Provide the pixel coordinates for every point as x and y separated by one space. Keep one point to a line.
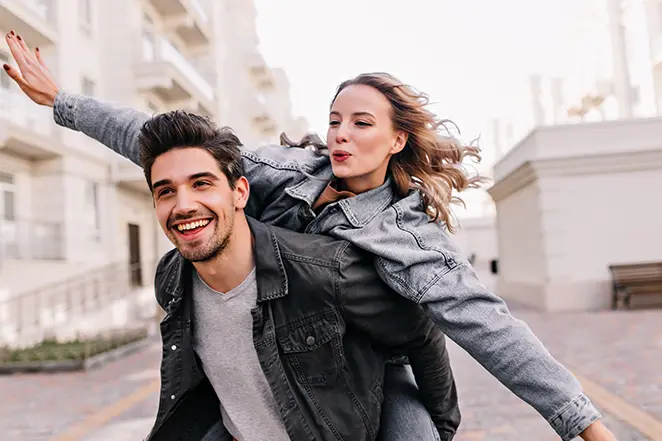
446 436
64 109
574 418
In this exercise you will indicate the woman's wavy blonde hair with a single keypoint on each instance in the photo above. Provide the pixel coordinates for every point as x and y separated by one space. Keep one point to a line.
432 159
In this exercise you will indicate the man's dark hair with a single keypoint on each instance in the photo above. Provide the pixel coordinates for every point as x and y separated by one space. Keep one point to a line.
180 129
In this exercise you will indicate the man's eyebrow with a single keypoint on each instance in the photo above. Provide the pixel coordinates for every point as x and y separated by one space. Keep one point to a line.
206 174
161 183
203 175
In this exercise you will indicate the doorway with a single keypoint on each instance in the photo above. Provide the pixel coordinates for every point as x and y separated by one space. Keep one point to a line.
135 266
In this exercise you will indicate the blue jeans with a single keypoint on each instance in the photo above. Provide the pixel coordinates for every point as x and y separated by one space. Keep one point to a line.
403 415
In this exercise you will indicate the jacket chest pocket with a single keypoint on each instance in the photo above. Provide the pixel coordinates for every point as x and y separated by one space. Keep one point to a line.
312 348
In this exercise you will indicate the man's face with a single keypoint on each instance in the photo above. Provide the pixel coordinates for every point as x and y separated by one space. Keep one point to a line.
195 204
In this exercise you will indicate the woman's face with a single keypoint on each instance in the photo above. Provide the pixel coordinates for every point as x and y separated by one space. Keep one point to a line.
361 138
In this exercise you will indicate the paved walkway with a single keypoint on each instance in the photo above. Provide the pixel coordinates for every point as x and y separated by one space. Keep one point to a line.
617 356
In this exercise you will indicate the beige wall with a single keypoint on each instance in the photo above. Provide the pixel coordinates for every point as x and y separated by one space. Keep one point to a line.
572 200
477 236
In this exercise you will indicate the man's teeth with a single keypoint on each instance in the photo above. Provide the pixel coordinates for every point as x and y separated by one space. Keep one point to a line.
192 225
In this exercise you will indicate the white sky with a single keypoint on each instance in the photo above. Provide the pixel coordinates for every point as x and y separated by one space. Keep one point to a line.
472 57
466 54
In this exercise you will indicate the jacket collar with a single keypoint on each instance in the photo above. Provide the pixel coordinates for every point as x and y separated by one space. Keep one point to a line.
272 282
363 207
359 210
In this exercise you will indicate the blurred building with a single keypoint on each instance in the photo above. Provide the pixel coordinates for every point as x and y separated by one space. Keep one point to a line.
72 213
579 163
616 74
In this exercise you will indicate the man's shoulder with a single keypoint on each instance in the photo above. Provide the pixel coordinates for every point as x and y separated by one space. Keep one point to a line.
168 261
166 274
313 248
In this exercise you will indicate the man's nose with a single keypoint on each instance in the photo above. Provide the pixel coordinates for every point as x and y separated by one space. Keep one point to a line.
185 203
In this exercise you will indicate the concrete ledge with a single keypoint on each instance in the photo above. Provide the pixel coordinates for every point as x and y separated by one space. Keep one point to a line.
555 296
55 366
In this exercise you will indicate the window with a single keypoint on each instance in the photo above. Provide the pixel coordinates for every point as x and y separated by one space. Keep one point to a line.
92 215
5 81
635 95
9 205
85 15
88 87
7 197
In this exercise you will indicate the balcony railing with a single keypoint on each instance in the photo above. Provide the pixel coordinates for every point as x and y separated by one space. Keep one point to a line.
40 7
200 10
33 19
159 49
171 54
61 305
26 239
18 109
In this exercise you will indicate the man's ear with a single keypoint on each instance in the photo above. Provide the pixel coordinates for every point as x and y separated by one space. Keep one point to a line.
242 191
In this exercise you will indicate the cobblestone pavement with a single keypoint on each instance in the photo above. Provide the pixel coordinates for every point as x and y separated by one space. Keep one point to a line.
38 407
621 351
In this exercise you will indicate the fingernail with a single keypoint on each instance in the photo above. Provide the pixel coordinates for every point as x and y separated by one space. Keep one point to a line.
12 32
37 49
19 37
6 67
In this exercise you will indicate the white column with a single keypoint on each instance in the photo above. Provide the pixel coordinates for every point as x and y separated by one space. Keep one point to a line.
622 83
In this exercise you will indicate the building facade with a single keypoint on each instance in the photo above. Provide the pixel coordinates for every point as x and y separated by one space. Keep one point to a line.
70 207
579 163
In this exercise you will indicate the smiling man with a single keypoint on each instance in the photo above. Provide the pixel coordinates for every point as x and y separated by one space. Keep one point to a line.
271 334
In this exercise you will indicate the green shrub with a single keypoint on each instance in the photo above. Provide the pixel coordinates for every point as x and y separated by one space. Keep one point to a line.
77 349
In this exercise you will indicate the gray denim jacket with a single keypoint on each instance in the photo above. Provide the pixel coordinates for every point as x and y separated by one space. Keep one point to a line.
415 257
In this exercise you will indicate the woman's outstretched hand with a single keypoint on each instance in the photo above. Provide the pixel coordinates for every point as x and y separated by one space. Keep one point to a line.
597 432
32 75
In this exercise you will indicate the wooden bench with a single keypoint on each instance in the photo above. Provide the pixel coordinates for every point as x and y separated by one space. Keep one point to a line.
634 280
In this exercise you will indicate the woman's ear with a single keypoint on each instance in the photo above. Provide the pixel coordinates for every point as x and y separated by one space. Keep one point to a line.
400 141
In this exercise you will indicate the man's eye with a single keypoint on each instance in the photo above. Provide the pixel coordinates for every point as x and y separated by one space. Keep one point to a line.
334 123
200 184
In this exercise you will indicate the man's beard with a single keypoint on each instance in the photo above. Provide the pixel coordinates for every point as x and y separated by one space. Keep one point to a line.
213 248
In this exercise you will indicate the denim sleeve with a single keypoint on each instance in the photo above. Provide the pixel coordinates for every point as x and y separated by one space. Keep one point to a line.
115 127
268 169
417 259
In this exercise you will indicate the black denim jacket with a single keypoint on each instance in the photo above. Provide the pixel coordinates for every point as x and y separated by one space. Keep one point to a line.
324 326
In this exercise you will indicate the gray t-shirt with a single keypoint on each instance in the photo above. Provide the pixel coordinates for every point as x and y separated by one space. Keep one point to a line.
223 339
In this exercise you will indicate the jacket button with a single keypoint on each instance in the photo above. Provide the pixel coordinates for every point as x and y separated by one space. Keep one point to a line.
172 397
173 347
310 340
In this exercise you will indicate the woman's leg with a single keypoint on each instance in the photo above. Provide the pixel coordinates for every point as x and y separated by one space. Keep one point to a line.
403 415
